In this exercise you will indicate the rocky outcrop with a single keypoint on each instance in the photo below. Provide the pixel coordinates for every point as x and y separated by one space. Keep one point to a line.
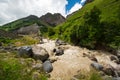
32 29
52 19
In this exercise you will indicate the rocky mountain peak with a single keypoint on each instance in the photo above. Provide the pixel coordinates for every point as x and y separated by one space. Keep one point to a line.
52 19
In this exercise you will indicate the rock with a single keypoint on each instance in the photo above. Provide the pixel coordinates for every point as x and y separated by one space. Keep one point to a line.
97 66
109 70
59 42
40 53
25 51
47 66
93 59
52 19
59 51
112 58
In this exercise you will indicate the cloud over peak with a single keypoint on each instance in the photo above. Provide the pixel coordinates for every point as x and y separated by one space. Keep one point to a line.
15 9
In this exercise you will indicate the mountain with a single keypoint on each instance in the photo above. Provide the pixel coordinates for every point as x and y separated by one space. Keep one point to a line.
45 20
52 19
95 25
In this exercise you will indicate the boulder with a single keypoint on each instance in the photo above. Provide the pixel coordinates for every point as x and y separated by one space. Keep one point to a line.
25 51
97 66
59 42
40 53
59 51
47 66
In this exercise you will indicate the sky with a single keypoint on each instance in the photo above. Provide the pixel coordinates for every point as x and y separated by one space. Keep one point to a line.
11 10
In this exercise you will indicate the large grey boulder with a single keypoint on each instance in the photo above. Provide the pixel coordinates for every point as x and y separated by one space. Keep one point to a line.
25 51
40 53
97 66
47 66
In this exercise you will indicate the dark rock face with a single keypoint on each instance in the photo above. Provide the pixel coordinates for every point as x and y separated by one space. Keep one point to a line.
47 66
33 29
97 66
52 19
25 51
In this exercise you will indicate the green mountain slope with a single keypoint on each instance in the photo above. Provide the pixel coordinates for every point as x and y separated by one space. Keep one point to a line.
20 23
96 25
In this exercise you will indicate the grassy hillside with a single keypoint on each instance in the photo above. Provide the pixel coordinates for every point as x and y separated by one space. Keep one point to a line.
97 24
27 21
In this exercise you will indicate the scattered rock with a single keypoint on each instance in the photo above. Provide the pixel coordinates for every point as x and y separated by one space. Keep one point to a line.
40 53
59 42
97 66
59 51
25 51
47 66
93 59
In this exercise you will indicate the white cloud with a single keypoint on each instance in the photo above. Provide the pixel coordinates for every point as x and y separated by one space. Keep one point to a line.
82 1
15 9
76 7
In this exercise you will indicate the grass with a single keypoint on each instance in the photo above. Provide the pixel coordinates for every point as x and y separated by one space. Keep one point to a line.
12 68
26 40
